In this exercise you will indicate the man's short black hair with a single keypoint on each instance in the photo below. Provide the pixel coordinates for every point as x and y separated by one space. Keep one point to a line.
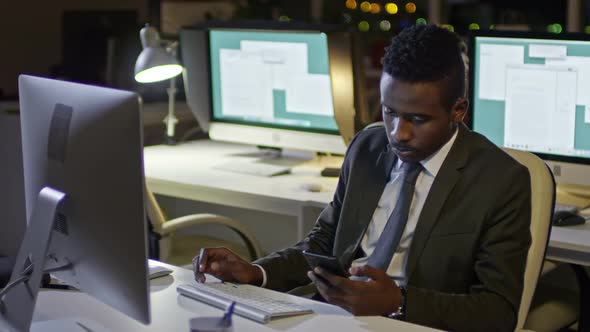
427 53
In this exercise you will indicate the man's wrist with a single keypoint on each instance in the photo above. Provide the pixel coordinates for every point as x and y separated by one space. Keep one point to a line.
400 312
260 276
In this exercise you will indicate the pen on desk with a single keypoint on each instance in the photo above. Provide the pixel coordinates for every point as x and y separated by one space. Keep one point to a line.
225 321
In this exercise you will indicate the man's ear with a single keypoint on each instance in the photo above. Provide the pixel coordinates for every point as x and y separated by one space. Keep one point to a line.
459 110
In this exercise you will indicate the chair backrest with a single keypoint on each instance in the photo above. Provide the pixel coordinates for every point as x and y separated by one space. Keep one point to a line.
542 202
164 227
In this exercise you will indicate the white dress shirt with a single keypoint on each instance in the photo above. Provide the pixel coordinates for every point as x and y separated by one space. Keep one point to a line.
431 165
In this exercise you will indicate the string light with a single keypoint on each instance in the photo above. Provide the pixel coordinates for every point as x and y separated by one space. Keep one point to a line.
351 4
587 29
366 6
391 8
347 18
421 21
448 27
554 28
364 26
404 23
473 26
385 25
375 8
411 7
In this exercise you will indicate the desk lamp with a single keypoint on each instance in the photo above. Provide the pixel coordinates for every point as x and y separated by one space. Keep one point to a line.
157 62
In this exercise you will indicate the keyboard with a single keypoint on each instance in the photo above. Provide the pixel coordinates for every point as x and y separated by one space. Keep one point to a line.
252 302
563 207
254 168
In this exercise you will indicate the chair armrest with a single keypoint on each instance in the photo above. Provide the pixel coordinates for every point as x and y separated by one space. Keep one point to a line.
206 218
175 224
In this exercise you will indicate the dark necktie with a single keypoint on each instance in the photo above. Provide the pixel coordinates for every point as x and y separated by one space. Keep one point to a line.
392 233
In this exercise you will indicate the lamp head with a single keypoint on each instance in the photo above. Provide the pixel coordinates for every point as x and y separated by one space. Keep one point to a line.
157 62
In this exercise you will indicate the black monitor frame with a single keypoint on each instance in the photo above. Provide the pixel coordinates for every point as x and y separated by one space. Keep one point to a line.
341 42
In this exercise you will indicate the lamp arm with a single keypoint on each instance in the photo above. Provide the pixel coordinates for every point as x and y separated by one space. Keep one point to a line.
171 119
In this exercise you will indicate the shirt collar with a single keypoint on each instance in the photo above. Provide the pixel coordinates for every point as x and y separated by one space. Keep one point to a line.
434 162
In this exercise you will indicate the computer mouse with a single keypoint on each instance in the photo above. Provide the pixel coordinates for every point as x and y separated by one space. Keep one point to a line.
312 187
567 218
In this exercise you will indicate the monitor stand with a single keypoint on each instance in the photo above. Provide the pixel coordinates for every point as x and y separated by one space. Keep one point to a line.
266 162
18 304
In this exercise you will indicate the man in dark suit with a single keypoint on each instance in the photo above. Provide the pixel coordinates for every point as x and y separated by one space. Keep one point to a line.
459 262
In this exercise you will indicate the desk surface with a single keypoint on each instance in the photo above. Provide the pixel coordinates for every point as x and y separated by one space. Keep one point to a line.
570 244
188 171
172 312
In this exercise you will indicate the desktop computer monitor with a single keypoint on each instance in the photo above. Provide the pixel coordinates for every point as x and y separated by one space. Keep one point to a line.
83 176
529 91
286 87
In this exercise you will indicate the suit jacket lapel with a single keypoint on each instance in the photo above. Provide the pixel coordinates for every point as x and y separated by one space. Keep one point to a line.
367 193
442 186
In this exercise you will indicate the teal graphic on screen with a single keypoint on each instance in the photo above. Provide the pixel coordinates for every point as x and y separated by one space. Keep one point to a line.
533 94
275 79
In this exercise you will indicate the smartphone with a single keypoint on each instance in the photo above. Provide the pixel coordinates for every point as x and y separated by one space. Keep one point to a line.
329 263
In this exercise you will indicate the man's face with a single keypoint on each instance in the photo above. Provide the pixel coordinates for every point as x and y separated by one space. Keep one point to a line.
416 119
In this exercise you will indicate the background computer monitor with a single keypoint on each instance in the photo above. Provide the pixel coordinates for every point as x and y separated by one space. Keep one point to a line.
12 197
529 91
279 86
85 141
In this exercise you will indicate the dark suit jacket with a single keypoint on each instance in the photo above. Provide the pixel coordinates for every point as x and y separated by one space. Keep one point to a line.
465 267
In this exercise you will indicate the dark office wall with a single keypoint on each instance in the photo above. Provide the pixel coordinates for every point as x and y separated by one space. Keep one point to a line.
32 36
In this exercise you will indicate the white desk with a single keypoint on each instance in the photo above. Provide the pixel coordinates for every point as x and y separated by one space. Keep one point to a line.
172 312
188 171
570 244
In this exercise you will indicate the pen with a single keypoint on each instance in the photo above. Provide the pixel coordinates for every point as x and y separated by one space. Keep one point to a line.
197 265
225 321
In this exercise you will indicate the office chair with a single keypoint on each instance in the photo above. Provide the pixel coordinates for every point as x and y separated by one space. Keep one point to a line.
179 249
554 308
542 201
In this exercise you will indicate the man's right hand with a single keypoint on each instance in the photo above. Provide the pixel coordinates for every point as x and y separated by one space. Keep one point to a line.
224 264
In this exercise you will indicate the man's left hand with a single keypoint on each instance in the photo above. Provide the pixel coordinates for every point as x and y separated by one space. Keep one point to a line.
379 295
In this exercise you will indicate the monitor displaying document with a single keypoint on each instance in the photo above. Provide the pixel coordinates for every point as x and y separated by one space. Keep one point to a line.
288 87
530 92
277 79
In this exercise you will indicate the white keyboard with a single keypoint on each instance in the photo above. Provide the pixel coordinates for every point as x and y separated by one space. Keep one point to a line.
254 168
252 302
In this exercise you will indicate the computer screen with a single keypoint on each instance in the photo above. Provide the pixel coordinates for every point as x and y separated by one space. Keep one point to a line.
277 79
530 92
83 183
286 88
